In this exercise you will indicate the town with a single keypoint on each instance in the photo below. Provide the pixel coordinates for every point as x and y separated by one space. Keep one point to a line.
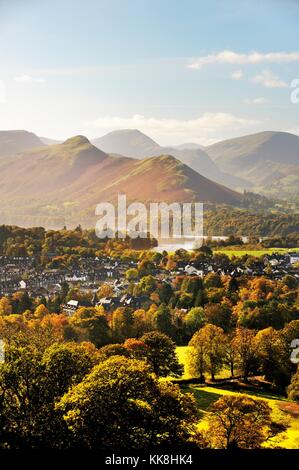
87 274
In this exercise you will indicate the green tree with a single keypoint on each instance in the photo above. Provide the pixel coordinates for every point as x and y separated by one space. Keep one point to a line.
207 351
194 320
30 382
65 365
273 362
161 354
132 274
93 323
162 320
120 404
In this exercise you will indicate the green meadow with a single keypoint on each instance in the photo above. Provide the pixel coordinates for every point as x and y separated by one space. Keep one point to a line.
241 252
283 410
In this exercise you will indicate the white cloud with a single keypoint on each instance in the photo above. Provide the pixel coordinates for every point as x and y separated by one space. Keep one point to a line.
260 100
205 129
29 78
269 80
233 58
237 75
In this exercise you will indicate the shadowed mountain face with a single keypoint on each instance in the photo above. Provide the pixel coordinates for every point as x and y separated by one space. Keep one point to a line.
69 179
12 142
268 160
133 143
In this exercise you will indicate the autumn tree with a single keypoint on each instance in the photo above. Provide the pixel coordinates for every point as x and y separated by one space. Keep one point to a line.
106 290
244 344
5 306
239 421
122 324
41 311
137 349
219 314
143 321
230 354
110 350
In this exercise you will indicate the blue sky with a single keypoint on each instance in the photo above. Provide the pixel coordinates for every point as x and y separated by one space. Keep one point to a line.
179 71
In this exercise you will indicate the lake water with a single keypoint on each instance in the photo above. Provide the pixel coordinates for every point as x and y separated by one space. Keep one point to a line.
188 245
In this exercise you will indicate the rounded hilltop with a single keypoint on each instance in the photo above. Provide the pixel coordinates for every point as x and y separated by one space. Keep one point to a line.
77 140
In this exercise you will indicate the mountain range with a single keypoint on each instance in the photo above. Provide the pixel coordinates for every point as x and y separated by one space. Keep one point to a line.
66 181
133 143
48 180
266 162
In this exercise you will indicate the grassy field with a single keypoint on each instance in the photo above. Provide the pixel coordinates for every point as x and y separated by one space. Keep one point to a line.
241 252
283 411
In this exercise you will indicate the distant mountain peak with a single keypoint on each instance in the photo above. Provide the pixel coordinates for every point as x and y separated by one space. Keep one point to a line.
77 140
189 146
264 159
130 133
128 142
16 141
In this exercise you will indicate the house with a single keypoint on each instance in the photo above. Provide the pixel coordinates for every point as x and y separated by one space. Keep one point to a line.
274 262
70 307
294 258
108 303
191 270
23 284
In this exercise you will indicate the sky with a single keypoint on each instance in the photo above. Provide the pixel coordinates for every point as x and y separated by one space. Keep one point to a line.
180 71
